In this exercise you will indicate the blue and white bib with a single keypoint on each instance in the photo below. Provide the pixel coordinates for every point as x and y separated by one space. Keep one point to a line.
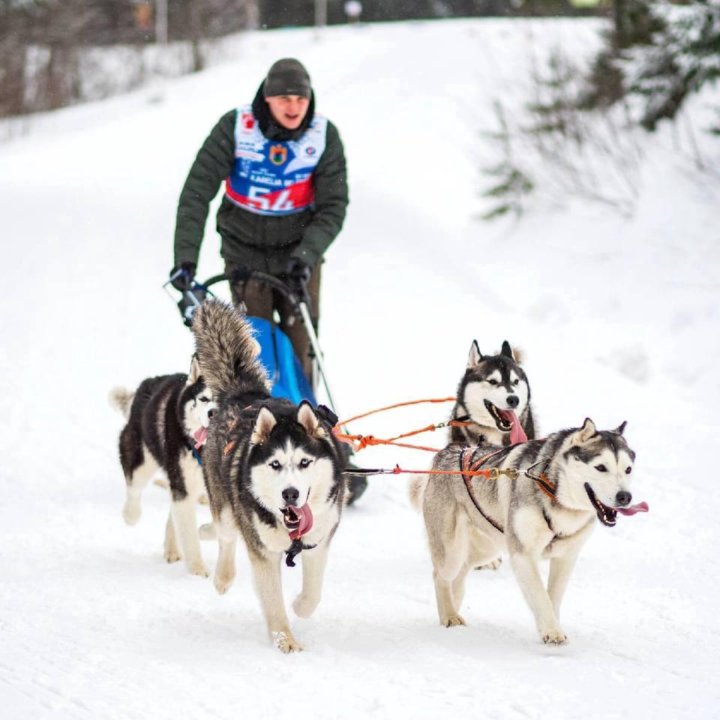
274 177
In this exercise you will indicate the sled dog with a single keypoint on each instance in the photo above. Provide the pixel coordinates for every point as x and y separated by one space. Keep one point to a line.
272 471
167 422
493 397
540 501
492 406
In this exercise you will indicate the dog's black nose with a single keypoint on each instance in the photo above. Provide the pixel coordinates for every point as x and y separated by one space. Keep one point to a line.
210 413
623 498
513 401
290 495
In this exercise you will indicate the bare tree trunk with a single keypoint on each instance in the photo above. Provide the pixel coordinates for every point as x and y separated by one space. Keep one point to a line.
12 77
620 20
62 86
196 34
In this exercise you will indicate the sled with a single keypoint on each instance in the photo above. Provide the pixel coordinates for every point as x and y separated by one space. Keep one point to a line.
281 363
277 354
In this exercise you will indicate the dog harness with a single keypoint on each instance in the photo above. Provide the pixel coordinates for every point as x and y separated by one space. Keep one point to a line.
467 465
195 450
274 177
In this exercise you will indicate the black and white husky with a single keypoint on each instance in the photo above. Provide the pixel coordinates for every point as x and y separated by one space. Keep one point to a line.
272 471
167 424
493 399
541 502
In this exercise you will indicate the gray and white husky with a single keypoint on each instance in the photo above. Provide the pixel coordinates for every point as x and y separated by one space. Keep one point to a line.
540 502
272 471
493 398
167 421
492 407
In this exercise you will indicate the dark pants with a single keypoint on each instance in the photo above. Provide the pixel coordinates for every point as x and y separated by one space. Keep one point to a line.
262 301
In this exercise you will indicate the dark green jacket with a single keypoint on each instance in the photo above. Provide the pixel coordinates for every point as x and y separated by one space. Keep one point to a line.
260 242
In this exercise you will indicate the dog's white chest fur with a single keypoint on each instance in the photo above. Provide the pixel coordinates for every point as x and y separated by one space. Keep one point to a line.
192 472
550 534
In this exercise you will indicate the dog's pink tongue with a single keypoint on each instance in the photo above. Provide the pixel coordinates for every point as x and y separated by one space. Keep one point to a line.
200 436
640 507
305 516
517 434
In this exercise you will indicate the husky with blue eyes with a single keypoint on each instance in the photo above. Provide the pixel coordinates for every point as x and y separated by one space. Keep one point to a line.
167 424
535 500
272 471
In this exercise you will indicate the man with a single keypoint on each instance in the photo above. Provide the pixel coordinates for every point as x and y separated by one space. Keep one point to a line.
284 202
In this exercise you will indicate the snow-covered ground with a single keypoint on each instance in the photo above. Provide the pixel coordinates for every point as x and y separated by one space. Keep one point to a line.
618 319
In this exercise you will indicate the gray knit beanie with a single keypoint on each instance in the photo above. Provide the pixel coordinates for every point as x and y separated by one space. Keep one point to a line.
287 77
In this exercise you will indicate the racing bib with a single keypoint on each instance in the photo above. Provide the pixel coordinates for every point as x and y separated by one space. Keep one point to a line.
274 177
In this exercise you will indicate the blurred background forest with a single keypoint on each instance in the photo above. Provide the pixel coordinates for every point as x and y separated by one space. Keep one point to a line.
654 55
54 53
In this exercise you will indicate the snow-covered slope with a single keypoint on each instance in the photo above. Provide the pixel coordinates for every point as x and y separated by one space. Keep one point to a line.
617 318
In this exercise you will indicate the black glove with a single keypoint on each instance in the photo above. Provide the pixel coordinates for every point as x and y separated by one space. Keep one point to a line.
297 274
184 279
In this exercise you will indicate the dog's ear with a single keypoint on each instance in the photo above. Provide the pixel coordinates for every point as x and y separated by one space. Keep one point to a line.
307 417
264 424
587 430
474 356
620 429
194 374
512 352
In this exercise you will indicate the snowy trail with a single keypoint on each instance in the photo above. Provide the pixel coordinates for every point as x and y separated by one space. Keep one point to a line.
617 318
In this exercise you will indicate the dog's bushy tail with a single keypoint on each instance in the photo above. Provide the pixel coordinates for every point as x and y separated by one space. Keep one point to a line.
227 351
416 491
122 398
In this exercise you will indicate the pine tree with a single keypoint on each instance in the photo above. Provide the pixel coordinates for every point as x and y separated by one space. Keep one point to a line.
633 25
683 57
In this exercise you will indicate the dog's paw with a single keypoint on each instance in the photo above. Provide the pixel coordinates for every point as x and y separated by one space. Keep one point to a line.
284 641
554 637
207 532
198 568
304 606
172 556
131 512
222 584
454 621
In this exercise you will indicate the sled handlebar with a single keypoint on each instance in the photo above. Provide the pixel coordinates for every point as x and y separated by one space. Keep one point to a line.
193 295
274 282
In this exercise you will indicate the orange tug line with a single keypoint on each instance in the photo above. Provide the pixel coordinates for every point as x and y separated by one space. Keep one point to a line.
360 442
